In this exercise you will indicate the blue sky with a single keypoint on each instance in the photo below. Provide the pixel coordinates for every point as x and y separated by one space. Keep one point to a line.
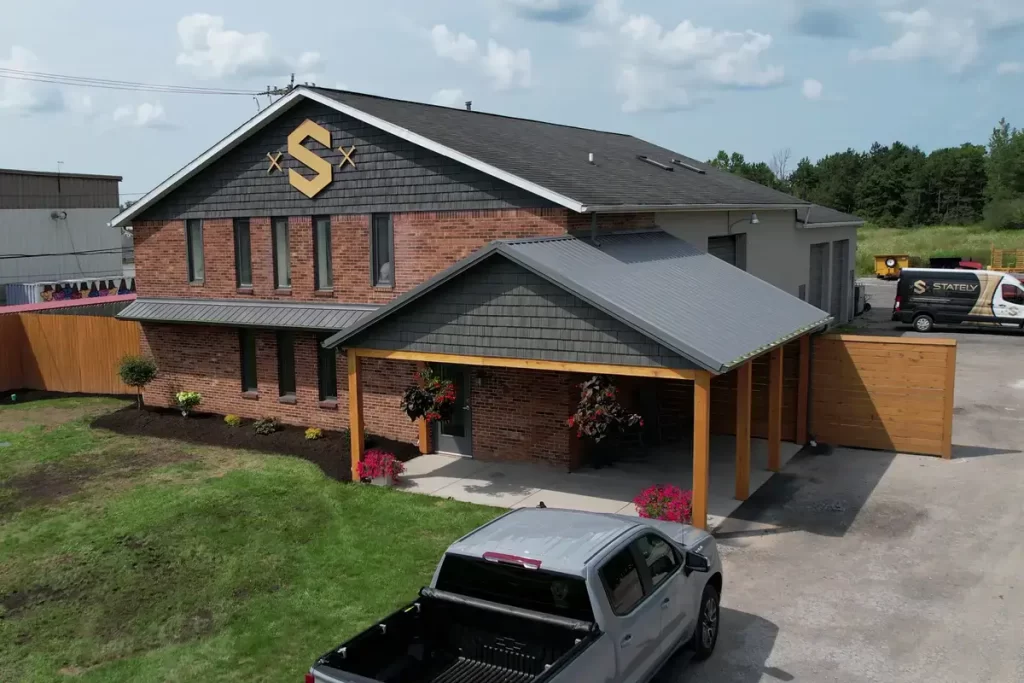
755 76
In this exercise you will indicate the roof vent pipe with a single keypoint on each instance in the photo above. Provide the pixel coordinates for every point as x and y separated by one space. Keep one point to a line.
469 105
590 158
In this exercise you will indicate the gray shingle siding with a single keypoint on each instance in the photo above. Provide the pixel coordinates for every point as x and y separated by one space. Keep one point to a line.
390 175
501 309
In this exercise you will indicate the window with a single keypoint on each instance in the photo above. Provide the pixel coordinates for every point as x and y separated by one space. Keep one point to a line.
1013 295
243 253
382 251
322 252
194 247
622 582
659 555
286 364
327 371
247 344
282 257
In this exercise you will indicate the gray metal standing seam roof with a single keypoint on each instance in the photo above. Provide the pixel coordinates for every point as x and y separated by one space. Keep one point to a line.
312 316
695 304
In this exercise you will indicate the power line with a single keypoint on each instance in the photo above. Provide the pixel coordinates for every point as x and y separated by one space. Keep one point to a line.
88 252
111 84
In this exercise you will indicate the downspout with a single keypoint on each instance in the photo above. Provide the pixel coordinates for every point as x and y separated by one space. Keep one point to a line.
593 229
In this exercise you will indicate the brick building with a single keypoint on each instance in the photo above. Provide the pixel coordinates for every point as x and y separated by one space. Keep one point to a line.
328 212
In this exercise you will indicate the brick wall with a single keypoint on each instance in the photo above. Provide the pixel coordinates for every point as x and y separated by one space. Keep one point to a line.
579 224
520 415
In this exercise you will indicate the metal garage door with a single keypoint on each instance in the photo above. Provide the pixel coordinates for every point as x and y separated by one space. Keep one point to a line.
723 247
840 286
818 284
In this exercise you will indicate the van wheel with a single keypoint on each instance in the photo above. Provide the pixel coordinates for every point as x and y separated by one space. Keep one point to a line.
923 323
705 633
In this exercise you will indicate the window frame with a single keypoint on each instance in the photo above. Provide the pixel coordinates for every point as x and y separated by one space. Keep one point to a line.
191 251
647 568
247 341
322 356
317 220
286 342
281 222
375 279
238 224
642 576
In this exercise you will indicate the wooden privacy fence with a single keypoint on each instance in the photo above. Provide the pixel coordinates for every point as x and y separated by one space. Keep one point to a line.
887 393
65 353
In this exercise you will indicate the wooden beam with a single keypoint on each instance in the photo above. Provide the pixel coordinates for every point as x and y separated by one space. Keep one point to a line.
801 391
530 364
701 447
775 410
423 425
947 408
744 391
355 412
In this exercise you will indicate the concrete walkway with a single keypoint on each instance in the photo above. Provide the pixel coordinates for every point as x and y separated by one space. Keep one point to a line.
610 489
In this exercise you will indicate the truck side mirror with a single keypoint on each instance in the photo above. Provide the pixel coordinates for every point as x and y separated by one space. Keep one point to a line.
695 562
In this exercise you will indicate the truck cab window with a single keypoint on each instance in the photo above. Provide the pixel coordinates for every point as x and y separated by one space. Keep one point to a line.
659 555
622 582
1012 294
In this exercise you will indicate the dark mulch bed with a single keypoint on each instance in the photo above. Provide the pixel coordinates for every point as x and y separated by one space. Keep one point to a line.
331 453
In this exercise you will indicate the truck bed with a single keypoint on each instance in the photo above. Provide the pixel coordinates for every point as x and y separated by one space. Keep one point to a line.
446 638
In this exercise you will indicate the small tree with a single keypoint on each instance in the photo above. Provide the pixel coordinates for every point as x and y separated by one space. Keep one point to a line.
137 371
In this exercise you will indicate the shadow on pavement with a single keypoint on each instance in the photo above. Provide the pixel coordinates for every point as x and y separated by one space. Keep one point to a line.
960 452
744 644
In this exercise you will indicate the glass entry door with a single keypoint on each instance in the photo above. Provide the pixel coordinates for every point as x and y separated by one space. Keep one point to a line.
455 435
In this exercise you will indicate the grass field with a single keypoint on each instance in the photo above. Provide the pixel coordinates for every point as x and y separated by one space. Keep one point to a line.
973 243
129 559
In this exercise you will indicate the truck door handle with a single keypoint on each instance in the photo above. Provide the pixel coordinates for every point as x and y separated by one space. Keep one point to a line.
665 603
627 639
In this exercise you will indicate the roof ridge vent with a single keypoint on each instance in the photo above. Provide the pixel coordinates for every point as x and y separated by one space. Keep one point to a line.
652 162
688 167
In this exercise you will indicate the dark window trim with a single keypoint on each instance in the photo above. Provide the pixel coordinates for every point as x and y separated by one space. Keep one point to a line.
286 342
322 359
274 255
248 338
238 224
190 250
374 266
316 255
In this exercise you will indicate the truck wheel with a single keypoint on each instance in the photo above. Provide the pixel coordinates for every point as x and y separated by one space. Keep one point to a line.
923 323
705 635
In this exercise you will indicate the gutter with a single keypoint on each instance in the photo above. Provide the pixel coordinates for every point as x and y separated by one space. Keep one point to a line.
838 224
643 208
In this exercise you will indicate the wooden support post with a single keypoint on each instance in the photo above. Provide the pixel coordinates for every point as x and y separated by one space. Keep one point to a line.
423 425
802 394
355 412
744 390
775 410
701 445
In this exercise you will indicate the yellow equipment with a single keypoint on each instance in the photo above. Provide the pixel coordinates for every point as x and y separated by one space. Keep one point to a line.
888 266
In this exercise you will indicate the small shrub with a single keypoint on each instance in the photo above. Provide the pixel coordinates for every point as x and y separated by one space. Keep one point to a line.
266 426
137 371
187 401
665 502
233 420
314 433
378 463
1005 214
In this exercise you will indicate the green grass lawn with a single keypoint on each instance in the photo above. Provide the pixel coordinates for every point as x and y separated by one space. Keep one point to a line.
128 559
973 243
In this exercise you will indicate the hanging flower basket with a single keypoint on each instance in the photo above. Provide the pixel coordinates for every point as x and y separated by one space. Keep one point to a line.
431 399
599 414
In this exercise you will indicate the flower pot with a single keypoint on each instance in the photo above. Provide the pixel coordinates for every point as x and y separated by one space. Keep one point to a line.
386 480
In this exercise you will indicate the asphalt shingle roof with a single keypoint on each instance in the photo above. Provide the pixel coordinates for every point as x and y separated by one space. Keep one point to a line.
265 314
556 157
693 303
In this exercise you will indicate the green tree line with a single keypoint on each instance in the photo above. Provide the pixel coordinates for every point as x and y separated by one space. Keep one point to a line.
897 185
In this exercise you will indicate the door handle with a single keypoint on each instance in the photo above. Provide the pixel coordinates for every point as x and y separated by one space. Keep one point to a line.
665 603
627 639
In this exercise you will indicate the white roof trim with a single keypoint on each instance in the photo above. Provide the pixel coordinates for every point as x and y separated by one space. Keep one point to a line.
289 100
837 224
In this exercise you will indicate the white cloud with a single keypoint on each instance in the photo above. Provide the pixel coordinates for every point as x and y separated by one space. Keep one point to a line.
212 52
145 115
458 47
1010 68
449 97
812 89
646 90
28 97
952 41
563 11
507 68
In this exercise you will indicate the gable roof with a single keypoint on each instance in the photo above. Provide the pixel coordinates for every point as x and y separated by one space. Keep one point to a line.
546 159
694 304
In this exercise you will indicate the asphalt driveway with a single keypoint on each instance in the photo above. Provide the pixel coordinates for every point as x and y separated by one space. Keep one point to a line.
866 566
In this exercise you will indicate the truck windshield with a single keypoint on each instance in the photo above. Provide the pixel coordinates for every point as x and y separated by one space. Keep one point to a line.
533 589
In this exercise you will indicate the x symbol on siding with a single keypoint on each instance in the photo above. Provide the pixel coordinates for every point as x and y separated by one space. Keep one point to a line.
346 157
275 162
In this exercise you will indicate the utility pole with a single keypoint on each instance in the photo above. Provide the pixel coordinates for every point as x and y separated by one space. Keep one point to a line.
274 92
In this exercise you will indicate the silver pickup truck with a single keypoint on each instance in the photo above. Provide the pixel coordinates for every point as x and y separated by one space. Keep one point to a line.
547 595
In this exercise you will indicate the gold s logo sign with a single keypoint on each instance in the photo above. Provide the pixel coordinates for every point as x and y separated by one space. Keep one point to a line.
310 187
919 287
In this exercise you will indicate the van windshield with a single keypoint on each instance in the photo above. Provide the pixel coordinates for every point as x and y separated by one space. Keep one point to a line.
533 589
